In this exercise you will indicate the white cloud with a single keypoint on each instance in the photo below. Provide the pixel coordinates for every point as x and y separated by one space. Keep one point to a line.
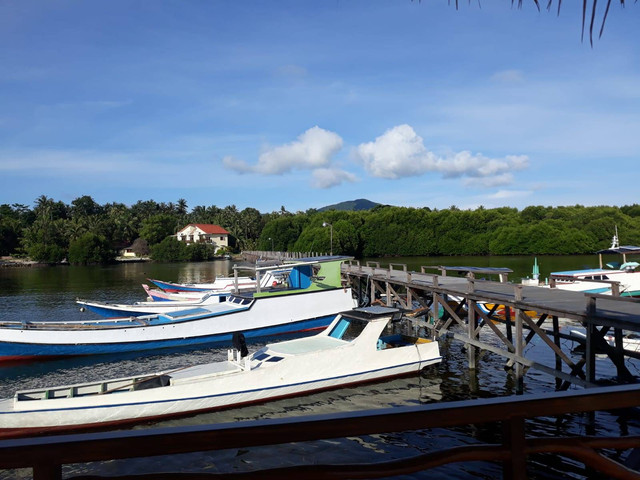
65 162
489 182
400 152
508 76
331 177
313 149
504 194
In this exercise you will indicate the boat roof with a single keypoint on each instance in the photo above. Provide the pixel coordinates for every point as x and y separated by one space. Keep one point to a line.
370 313
586 271
623 250
288 264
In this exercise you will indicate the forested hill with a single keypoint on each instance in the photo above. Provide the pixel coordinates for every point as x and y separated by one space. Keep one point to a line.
351 205
86 232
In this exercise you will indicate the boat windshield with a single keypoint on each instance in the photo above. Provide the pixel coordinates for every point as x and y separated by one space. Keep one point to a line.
348 328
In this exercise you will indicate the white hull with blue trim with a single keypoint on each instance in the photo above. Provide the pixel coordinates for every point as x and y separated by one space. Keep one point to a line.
357 347
313 296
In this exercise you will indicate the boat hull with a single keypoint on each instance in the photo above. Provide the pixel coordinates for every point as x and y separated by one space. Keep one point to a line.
203 390
264 317
147 308
226 284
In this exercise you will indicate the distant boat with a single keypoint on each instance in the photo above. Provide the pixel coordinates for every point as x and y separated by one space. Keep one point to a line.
601 280
356 348
138 309
314 294
221 284
157 295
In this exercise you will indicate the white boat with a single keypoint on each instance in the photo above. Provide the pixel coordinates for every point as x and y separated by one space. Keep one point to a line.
138 309
620 278
630 340
313 295
358 346
163 302
221 284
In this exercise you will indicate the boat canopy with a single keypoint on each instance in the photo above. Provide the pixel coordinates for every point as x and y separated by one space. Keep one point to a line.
624 250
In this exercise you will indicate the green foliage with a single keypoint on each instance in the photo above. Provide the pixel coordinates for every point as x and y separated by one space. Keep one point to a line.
42 253
90 248
199 252
47 232
157 227
170 250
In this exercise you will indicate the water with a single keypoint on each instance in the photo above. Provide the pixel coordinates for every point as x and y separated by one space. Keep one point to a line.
30 293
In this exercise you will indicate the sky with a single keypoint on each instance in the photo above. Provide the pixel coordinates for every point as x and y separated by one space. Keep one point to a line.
304 104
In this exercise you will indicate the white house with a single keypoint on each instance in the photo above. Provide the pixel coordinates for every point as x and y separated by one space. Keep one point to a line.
204 233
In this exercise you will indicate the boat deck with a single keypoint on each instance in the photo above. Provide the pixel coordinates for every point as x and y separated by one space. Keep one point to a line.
306 345
198 372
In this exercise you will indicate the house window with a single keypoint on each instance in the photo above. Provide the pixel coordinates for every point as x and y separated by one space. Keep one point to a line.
221 238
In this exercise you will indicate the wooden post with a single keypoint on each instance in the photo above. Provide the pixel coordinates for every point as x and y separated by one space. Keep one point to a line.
472 324
590 351
471 282
47 472
513 437
556 340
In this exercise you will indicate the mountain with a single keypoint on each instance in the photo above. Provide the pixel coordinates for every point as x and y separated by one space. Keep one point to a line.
353 205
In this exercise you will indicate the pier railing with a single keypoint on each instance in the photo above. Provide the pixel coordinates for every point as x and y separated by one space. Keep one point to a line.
47 455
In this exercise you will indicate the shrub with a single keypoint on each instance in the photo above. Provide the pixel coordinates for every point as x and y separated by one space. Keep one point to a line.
90 248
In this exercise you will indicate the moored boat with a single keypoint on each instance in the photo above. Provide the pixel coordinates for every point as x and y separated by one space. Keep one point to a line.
618 279
358 346
221 284
139 309
314 294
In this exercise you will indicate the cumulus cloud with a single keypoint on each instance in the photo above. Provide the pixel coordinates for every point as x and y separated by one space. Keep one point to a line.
400 152
331 177
313 149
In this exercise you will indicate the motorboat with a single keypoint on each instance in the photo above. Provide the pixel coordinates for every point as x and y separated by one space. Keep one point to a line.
618 278
360 345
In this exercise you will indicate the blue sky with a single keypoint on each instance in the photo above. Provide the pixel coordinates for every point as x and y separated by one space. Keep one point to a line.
304 104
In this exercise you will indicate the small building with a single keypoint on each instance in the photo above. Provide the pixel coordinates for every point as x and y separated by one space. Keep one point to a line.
204 233
128 253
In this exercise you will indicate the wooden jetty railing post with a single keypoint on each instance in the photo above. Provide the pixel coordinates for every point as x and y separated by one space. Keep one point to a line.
472 323
514 439
519 341
556 340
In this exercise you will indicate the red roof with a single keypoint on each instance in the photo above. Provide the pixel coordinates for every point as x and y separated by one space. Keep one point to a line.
209 228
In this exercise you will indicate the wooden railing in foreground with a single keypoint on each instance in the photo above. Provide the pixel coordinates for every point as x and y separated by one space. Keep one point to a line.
46 455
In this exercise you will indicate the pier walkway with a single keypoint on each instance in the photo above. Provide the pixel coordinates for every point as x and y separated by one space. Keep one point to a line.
472 303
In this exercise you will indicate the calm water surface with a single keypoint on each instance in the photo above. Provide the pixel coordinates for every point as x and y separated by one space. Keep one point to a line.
35 293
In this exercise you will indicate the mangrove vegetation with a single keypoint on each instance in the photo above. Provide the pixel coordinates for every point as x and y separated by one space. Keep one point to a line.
86 232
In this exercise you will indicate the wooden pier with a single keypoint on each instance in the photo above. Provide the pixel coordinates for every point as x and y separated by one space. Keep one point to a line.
459 299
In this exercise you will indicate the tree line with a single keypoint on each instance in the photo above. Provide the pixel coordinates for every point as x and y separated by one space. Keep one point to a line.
86 232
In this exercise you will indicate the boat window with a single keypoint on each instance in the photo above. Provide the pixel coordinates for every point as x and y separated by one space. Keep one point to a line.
274 359
347 328
605 277
260 356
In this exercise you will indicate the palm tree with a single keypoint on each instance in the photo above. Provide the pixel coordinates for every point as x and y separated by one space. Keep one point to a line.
585 11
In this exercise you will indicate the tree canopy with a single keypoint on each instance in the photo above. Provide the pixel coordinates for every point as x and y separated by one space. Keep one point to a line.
86 232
